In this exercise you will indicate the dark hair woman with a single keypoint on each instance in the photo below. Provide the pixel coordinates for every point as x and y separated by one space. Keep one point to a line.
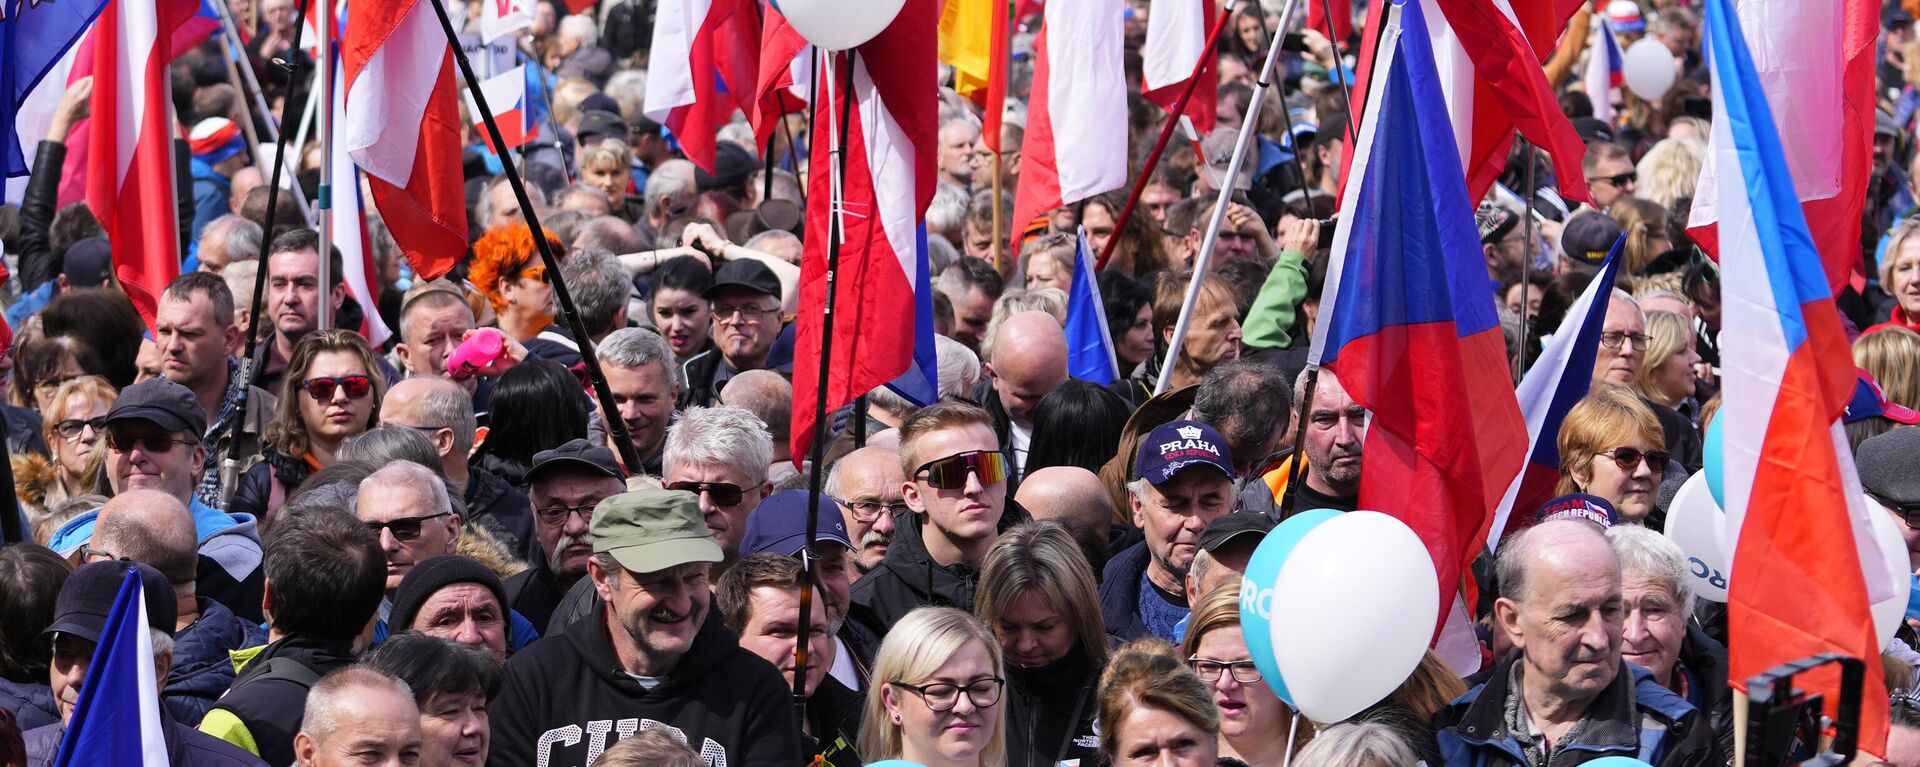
536 405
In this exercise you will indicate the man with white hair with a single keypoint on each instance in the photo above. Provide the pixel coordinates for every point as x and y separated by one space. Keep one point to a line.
721 454
406 505
1656 585
442 411
227 239
956 152
579 54
498 206
669 194
359 716
639 369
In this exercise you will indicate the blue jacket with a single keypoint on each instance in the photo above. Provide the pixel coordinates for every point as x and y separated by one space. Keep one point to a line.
210 193
202 669
1635 717
32 704
230 557
1120 592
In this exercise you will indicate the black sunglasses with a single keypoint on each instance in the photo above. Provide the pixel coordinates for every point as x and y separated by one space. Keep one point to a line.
1627 458
151 441
405 528
322 388
722 494
1619 180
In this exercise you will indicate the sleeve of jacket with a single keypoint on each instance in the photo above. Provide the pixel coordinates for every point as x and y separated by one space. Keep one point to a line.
1277 306
251 496
773 728
37 206
1694 744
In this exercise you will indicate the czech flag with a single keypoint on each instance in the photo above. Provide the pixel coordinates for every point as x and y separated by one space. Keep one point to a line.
704 62
1178 43
117 719
1408 323
507 94
1557 380
36 39
1797 524
1089 339
1605 69
883 305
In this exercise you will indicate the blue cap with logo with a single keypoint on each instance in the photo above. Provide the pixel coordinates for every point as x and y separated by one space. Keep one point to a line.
1179 445
1591 508
779 524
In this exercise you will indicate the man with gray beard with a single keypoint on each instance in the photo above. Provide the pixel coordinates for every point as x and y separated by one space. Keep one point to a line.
867 484
565 484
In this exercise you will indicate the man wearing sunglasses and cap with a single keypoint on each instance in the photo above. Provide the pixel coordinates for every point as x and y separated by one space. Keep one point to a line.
1183 479
153 441
957 488
655 655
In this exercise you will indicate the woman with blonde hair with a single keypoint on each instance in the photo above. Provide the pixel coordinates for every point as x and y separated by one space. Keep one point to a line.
332 392
506 267
73 424
1154 711
936 691
608 167
1047 261
1037 595
1666 373
1254 723
1892 356
1669 170
1900 276
1357 744
1611 446
1644 224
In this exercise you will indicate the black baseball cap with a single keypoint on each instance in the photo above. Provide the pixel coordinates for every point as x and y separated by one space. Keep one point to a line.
1251 527
745 273
1589 237
168 404
575 454
597 123
88 263
89 593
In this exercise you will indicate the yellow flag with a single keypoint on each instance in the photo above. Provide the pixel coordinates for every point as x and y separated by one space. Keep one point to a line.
966 42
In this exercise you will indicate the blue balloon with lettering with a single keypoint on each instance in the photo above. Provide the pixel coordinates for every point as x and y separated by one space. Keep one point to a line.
1617 761
1256 592
1711 461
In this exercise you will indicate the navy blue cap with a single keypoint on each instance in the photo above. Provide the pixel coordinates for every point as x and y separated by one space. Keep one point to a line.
1580 506
89 593
1175 446
1869 401
779 524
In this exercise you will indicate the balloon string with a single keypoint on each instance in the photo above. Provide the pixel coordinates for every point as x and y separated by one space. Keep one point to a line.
1286 757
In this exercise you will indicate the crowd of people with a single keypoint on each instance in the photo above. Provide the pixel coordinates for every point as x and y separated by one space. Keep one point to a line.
362 547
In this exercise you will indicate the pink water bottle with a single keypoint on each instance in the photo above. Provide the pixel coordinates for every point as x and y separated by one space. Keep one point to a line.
482 352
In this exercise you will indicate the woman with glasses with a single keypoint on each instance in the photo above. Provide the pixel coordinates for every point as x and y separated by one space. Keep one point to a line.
508 270
41 366
536 405
1038 596
935 695
1253 721
1155 713
73 421
1612 447
333 391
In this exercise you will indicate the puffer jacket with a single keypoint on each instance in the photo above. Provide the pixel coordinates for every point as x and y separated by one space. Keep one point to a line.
202 669
32 704
1634 717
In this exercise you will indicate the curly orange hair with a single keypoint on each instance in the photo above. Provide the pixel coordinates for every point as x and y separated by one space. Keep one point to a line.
503 252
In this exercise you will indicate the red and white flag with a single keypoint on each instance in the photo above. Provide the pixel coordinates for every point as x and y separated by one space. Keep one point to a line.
129 172
704 67
1074 148
785 72
499 18
349 231
402 126
1176 42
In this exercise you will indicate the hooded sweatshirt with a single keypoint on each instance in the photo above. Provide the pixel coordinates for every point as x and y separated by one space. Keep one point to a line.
566 699
230 556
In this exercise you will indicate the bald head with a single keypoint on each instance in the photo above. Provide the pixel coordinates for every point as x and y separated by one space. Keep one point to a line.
434 407
358 712
1563 547
1029 359
1069 495
153 528
767 395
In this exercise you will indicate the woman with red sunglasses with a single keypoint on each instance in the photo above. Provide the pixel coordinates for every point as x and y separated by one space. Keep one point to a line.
333 392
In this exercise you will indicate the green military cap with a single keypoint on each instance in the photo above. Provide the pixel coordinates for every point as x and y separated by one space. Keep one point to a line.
647 531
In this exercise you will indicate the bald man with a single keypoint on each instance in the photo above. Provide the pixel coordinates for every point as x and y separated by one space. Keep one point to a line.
155 529
1029 359
1076 498
358 716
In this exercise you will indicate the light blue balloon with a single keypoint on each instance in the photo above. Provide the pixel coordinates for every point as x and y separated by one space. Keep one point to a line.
1711 460
1617 761
895 763
1257 590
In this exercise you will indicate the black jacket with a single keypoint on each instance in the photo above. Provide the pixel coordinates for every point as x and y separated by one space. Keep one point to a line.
1634 717
38 262
1120 592
255 492
272 706
202 670
534 593
566 696
834 715
908 578
1051 711
503 510
186 747
697 387
1706 660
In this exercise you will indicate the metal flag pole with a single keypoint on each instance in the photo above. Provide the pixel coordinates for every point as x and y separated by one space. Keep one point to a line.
1166 133
251 86
1339 63
616 426
1526 265
323 109
230 467
1249 128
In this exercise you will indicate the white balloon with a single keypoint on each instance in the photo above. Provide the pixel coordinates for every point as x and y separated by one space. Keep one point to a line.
1697 525
837 25
1649 69
1361 592
1888 613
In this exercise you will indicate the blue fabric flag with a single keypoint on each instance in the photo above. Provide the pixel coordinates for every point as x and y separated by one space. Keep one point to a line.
117 719
34 34
1089 345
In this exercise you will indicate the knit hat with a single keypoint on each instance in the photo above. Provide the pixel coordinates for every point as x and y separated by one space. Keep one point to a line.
215 139
429 577
1494 220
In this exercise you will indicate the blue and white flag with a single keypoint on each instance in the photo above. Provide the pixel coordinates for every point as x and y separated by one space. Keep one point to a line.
1089 342
117 720
36 42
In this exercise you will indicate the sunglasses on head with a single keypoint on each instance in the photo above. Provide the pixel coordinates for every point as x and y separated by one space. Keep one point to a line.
322 388
406 528
1627 458
950 473
722 494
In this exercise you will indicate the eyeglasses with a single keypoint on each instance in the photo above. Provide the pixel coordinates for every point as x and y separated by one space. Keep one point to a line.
1209 670
322 388
90 555
152 441
406 528
554 515
1614 339
1619 180
722 494
1627 458
868 511
943 696
72 428
1909 513
950 473
740 313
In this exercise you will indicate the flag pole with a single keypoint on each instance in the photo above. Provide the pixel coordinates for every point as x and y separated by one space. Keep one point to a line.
616 426
251 86
1339 63
1526 263
230 466
1166 133
837 231
323 115
11 530
999 228
1249 128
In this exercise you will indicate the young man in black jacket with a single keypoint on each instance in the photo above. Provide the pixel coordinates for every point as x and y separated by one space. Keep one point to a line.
655 656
